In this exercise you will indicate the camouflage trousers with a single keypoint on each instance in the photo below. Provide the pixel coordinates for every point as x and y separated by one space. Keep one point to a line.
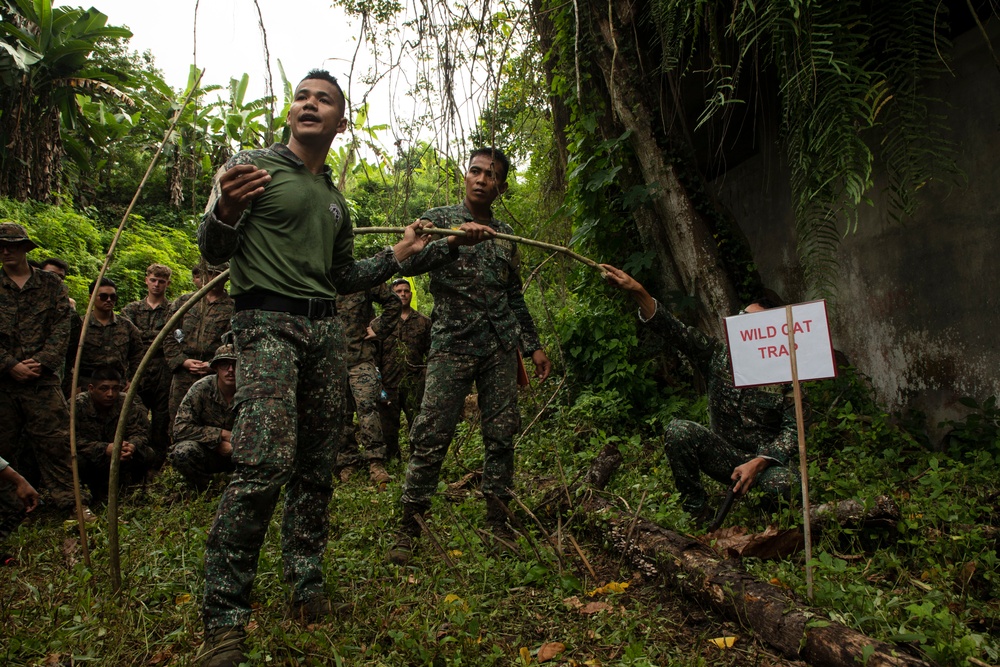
404 398
197 462
368 443
449 381
693 449
34 433
180 383
154 391
291 384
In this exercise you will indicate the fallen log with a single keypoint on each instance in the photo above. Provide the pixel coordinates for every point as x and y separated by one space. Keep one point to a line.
776 616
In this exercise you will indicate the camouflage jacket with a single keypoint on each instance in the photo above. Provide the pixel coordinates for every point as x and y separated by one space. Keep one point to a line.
117 345
203 414
757 420
149 321
478 305
404 349
356 312
202 328
34 324
95 430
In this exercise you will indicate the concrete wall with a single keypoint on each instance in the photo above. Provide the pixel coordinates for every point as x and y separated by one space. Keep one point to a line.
917 303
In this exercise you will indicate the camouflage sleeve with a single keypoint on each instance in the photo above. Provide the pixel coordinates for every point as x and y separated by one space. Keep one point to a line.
391 308
90 445
366 273
217 240
423 342
137 431
189 422
52 355
436 254
529 335
128 312
691 342
173 352
784 448
136 350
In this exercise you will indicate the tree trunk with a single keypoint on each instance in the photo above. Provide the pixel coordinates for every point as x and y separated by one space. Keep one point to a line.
775 615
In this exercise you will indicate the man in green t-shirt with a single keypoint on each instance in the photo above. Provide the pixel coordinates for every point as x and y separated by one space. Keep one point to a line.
278 218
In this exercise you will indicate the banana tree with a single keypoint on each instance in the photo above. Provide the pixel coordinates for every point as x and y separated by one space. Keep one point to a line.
45 61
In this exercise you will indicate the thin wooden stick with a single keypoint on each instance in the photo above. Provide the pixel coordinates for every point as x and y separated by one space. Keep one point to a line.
508 237
86 324
803 463
168 327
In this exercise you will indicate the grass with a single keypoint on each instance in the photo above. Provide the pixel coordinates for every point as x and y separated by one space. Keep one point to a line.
933 585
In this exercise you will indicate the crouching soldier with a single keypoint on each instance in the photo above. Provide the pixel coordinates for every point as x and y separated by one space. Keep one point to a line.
97 413
203 429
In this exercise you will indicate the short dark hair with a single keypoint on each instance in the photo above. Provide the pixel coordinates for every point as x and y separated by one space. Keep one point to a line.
105 373
56 262
498 158
768 299
399 281
323 75
105 282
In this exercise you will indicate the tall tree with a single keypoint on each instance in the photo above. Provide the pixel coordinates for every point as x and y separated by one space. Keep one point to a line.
44 63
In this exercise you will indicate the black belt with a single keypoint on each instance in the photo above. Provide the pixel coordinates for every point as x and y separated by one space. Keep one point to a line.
314 309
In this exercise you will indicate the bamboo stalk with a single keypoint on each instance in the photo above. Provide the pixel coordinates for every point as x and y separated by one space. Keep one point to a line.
115 556
83 336
438 231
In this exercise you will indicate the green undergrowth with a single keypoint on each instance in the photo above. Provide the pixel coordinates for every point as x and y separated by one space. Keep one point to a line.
931 586
477 609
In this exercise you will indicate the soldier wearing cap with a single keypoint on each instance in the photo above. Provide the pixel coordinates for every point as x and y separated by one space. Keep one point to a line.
203 429
98 410
189 348
34 334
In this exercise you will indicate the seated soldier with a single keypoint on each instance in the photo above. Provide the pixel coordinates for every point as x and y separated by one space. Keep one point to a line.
752 439
97 413
203 428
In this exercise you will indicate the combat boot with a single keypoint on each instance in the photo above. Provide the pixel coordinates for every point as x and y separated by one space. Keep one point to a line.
407 534
496 519
223 647
377 474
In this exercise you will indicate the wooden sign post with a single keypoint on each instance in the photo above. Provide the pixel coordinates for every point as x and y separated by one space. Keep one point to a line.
766 350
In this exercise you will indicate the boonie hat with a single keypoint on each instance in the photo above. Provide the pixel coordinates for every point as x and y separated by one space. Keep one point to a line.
223 353
11 232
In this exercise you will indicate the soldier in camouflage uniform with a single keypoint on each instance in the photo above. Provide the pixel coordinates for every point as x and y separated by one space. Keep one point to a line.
98 410
58 267
277 213
203 429
149 315
479 322
188 349
111 341
355 312
753 437
34 329
402 360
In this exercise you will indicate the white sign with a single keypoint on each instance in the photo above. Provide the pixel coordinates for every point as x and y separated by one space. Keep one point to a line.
758 345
